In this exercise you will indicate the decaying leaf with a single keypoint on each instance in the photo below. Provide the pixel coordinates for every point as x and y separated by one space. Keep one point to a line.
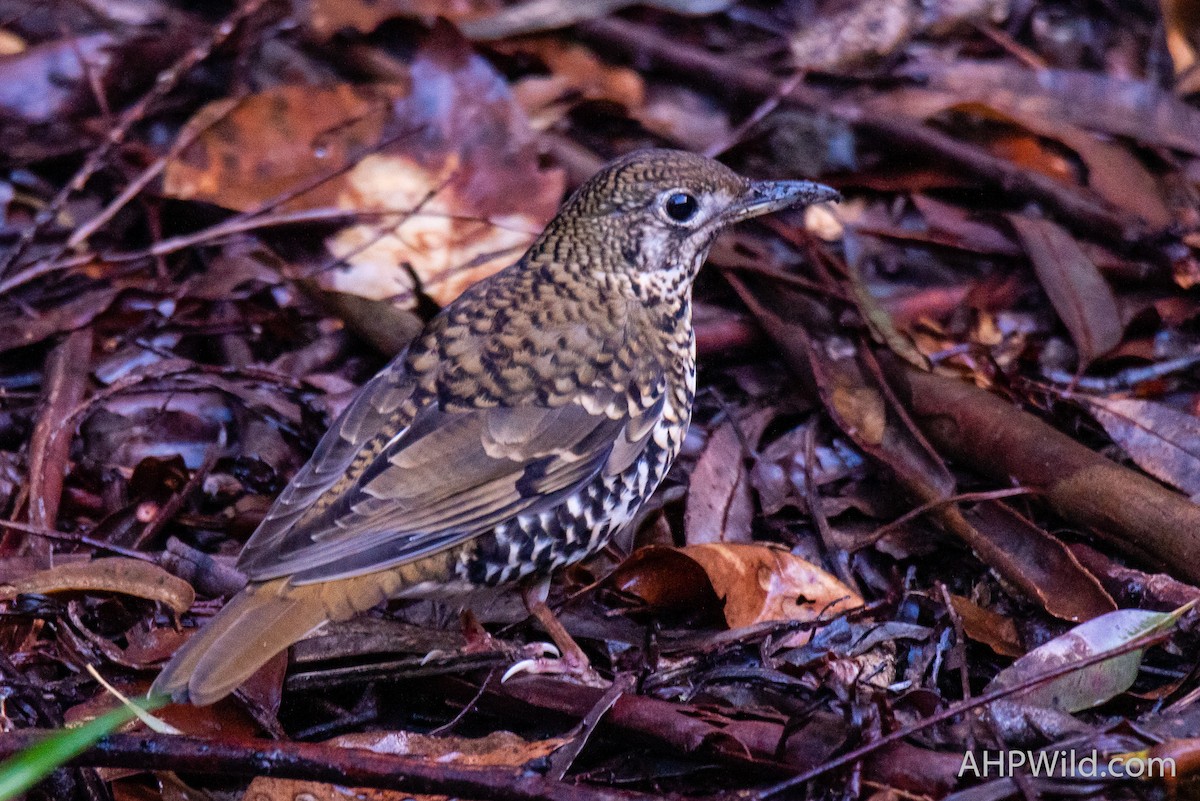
444 170
720 507
1052 576
780 473
324 18
991 628
1083 299
1182 21
865 31
757 582
864 409
1162 441
1090 686
574 73
109 574
251 151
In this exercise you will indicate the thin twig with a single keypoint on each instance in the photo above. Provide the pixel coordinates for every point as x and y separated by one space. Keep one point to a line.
80 539
131 190
960 648
965 497
954 710
564 757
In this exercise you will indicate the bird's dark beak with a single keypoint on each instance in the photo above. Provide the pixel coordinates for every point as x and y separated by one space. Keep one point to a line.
763 197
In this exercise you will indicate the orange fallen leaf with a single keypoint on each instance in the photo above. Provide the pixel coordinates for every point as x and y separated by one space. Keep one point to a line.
758 582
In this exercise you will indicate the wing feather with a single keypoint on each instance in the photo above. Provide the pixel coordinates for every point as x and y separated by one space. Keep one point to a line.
364 503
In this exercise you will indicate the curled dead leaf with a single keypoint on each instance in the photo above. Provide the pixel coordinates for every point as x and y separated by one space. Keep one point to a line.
991 628
758 582
116 574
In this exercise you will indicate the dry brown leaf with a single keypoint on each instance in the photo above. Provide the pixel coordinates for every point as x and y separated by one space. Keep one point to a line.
324 18
760 583
1019 549
1083 299
1181 18
720 507
864 410
226 718
873 29
109 574
574 73
463 153
254 150
757 582
1113 172
692 121
990 628
867 31
10 43
498 749
1160 440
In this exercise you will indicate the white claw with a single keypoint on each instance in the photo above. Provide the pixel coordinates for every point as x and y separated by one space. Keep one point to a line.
519 667
436 653
545 649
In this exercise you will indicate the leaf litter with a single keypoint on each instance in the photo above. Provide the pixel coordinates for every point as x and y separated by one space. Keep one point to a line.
945 437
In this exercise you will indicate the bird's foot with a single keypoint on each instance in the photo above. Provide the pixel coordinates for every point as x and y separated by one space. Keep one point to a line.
572 664
567 666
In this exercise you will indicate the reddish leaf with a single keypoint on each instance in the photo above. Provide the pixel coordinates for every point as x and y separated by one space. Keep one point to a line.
1083 299
1162 441
720 507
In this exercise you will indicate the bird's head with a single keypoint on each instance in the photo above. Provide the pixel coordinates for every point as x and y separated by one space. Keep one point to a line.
653 214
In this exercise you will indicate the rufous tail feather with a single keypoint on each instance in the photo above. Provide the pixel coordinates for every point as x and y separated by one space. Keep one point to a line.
257 623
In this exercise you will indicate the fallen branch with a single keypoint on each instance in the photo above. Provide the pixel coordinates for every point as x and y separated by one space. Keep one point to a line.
348 767
998 439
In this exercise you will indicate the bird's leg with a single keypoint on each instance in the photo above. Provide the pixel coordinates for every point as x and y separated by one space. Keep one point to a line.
535 596
573 662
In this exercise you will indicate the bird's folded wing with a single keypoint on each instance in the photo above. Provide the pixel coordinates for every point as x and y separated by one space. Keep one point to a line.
444 478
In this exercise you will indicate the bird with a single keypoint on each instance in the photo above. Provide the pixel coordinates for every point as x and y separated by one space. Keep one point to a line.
525 425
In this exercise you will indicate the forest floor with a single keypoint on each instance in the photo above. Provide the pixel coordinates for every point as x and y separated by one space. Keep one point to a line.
940 426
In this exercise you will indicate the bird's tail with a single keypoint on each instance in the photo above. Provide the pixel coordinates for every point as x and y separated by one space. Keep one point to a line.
258 623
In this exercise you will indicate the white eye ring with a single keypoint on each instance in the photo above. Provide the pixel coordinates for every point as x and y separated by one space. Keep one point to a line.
679 207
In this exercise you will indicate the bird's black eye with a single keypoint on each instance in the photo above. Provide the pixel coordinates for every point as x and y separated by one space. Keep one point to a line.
680 206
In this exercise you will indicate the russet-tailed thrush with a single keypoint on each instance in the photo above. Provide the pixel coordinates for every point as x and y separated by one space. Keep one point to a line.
526 424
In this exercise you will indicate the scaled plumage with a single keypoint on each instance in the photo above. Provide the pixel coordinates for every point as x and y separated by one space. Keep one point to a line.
525 425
